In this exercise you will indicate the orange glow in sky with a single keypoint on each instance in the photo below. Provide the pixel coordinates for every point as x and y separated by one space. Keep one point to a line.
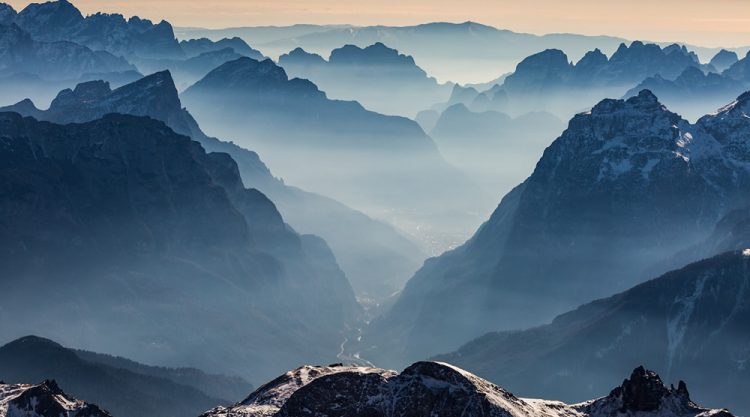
704 22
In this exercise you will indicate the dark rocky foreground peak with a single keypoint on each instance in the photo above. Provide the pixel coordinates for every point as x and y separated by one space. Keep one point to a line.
434 389
43 400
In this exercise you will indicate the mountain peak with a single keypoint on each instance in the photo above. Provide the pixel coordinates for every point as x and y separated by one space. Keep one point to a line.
44 400
7 14
644 391
645 98
31 342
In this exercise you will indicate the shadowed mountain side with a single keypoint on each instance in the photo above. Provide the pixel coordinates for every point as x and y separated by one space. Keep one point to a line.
625 187
690 323
128 391
377 266
145 246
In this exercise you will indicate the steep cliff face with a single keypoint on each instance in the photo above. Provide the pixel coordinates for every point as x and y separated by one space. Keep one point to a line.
626 185
125 229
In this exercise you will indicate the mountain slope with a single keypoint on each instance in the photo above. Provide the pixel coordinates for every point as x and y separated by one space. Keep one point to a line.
627 185
377 266
126 229
438 389
386 166
691 322
124 392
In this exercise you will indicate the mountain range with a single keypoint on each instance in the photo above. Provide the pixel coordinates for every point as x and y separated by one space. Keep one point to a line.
143 245
466 52
31 68
378 77
548 81
693 93
377 267
123 387
442 390
132 38
496 150
385 166
690 322
627 185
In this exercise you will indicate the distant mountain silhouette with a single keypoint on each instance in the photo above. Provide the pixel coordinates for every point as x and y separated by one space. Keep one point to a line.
460 52
143 245
693 93
547 81
377 76
137 390
688 323
380 164
723 60
627 185
496 149
20 54
195 47
60 20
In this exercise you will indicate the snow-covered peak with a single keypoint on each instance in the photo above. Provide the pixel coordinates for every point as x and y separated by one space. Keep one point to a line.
43 400
439 389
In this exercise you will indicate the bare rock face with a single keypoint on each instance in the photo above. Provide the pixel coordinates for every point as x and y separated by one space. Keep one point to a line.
437 389
43 400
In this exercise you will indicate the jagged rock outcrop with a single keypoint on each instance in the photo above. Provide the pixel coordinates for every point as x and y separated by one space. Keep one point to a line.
626 186
43 400
437 389
688 323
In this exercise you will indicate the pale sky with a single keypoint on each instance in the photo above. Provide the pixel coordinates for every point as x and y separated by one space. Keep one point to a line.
701 22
